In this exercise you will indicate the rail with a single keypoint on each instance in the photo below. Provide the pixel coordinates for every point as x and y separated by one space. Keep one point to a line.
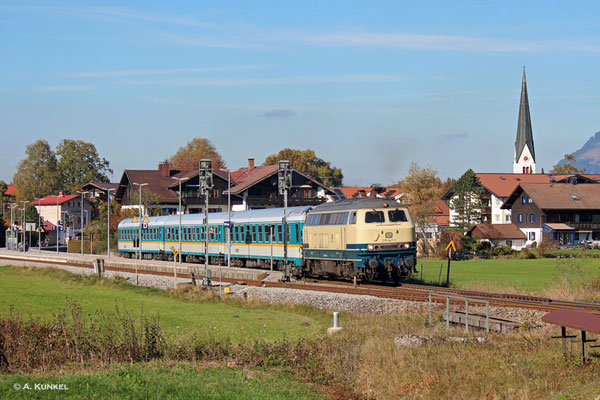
466 315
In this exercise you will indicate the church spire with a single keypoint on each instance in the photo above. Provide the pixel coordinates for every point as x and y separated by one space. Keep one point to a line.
524 158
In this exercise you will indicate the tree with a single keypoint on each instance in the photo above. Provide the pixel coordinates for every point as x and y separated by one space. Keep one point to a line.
308 163
189 156
79 163
31 214
422 189
37 174
568 167
467 201
3 188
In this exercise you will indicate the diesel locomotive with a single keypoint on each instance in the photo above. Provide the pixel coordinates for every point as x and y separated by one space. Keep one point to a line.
368 238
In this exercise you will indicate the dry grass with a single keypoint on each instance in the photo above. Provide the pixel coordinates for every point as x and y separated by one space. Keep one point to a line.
521 365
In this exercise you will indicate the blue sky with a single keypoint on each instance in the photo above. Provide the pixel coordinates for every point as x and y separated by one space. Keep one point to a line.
370 86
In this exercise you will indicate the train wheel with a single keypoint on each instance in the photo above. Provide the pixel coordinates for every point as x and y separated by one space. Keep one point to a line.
369 274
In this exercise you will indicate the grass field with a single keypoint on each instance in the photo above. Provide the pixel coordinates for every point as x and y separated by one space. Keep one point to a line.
40 292
160 381
534 276
361 361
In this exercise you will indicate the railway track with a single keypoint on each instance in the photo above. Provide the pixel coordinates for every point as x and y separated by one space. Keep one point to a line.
410 292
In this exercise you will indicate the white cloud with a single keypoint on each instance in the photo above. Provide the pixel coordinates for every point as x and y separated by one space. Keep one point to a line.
173 71
64 88
268 81
422 42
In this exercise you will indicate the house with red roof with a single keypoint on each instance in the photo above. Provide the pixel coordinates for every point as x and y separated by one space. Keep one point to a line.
250 187
62 214
498 187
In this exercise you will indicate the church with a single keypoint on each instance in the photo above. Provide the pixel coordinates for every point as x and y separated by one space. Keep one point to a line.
524 158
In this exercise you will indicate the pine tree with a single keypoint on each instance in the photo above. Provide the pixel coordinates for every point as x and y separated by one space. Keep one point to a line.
467 201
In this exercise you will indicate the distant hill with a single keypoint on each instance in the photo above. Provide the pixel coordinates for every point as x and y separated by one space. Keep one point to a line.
588 156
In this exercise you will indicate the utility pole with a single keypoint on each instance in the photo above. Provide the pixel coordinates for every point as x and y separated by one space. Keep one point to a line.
139 231
229 219
108 223
179 212
285 183
205 177
81 221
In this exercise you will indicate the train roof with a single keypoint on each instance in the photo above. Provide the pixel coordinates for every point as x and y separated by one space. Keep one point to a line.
267 215
357 204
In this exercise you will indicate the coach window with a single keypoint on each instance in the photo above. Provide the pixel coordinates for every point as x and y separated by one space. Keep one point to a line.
297 233
253 233
279 233
397 216
373 217
248 234
352 218
260 234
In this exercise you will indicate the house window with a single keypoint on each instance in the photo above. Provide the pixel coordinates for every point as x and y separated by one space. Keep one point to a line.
520 218
508 218
496 218
509 243
531 235
525 200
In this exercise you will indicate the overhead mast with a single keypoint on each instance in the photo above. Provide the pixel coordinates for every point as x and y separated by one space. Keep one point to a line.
524 157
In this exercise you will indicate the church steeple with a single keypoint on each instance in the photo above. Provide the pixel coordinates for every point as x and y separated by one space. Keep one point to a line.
524 158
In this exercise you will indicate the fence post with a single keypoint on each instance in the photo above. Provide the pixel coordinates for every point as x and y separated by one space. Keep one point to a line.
448 312
467 315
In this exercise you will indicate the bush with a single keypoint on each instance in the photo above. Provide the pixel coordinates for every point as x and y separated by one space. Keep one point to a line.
502 251
526 254
543 248
534 245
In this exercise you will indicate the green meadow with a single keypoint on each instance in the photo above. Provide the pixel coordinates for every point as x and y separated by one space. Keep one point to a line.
38 293
534 276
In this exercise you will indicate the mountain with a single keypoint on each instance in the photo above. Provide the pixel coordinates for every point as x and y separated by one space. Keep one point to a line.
588 156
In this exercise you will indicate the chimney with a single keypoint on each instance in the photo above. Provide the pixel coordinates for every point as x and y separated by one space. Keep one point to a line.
164 168
250 163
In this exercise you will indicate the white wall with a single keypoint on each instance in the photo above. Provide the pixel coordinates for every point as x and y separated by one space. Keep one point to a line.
518 166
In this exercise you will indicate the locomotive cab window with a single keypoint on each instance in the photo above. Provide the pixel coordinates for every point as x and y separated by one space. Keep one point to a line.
397 216
352 219
372 217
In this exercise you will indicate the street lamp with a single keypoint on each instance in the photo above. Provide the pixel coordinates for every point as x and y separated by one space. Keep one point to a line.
205 177
81 223
108 223
57 223
285 183
12 207
23 223
39 224
139 232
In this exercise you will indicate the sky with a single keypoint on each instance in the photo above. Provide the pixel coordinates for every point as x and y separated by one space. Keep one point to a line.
370 86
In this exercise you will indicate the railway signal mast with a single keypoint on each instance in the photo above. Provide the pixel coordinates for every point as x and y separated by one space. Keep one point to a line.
205 177
285 183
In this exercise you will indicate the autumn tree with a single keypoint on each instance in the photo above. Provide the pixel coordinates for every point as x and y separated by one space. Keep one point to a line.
37 174
3 188
188 157
79 163
467 201
422 188
568 167
307 162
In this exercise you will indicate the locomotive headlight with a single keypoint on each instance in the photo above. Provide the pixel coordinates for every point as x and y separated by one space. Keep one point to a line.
405 245
370 247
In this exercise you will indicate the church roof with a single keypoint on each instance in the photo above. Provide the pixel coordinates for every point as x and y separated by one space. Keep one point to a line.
524 131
